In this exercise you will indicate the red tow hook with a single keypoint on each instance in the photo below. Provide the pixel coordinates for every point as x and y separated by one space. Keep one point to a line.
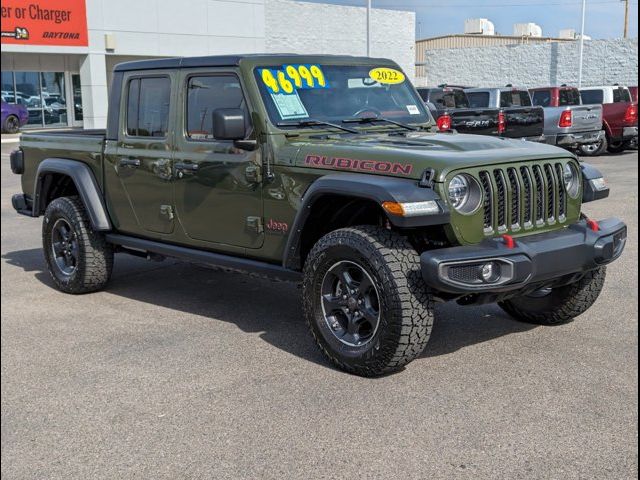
593 225
509 242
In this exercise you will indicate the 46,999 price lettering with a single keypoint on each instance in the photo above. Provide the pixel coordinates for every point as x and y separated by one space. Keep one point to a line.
292 78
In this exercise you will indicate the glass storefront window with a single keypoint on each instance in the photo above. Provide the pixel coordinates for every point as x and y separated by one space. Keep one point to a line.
8 93
53 98
44 94
77 97
28 93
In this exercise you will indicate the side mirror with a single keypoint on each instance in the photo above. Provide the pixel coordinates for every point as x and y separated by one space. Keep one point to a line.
229 124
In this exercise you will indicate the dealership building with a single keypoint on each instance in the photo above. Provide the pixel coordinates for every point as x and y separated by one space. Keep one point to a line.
57 60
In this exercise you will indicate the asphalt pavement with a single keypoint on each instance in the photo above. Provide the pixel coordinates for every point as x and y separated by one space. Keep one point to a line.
180 371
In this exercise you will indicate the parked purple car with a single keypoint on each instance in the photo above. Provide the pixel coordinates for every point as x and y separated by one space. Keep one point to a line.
13 117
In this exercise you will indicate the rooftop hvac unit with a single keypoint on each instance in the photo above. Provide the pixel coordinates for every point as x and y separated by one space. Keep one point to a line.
568 33
527 30
479 26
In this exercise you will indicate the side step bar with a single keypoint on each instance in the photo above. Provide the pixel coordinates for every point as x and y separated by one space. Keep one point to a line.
209 258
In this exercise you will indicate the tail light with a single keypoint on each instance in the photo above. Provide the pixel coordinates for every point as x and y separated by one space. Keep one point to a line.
502 122
631 115
444 123
566 119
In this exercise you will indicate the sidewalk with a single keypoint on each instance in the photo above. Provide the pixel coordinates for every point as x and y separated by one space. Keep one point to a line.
10 137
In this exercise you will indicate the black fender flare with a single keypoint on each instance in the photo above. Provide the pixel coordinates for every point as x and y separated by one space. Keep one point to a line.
589 194
85 183
378 189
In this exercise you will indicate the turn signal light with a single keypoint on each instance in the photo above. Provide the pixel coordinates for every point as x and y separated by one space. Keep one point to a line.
566 119
444 123
412 209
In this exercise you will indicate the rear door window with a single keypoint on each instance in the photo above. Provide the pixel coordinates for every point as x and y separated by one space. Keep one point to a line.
591 97
478 99
148 107
449 98
569 97
542 98
515 98
621 95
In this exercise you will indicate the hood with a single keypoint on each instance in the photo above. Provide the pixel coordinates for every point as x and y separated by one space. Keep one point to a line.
408 156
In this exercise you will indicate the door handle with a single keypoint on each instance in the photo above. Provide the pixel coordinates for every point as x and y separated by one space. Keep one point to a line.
129 162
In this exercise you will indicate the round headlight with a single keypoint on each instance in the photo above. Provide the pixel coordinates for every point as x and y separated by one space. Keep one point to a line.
458 191
464 193
571 180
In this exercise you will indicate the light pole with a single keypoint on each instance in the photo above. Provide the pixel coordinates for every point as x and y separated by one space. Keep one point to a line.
626 18
368 28
581 54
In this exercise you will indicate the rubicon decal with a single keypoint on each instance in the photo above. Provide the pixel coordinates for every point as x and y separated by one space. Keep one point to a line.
339 163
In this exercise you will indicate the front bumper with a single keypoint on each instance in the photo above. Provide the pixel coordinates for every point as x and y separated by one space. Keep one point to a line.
580 138
629 133
533 260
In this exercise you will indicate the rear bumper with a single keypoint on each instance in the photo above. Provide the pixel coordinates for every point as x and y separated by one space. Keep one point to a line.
579 138
539 139
535 259
629 133
22 204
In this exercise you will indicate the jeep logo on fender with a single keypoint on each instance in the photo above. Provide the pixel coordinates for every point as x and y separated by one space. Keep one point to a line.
358 165
275 226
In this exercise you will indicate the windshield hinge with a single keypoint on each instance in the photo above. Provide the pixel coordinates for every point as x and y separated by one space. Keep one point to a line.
428 178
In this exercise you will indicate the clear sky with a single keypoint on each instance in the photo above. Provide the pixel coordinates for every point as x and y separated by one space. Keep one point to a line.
605 18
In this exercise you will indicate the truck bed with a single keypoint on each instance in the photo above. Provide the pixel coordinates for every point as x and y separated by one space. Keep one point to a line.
85 146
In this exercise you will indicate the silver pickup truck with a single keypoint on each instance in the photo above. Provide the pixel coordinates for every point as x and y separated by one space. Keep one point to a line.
568 123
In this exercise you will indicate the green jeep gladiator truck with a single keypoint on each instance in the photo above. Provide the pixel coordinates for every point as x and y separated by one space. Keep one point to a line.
325 170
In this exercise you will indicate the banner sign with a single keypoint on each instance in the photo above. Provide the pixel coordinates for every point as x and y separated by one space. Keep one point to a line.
44 22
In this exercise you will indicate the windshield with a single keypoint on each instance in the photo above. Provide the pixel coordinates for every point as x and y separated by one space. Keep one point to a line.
333 93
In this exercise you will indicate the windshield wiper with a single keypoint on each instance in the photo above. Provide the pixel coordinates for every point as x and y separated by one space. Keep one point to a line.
316 123
378 119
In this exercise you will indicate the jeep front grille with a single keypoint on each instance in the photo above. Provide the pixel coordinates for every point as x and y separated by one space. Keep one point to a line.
523 197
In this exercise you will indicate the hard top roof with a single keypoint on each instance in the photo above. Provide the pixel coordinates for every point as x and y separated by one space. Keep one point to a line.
231 61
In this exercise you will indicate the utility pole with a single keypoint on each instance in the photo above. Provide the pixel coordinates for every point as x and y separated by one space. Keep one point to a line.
626 18
581 55
368 28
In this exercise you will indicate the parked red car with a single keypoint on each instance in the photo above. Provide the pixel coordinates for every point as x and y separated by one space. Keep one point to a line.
620 118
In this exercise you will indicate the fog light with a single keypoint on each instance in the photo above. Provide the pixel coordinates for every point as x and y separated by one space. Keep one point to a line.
490 272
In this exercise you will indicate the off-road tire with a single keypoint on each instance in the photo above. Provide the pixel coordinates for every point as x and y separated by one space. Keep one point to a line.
562 304
406 305
589 150
94 255
11 124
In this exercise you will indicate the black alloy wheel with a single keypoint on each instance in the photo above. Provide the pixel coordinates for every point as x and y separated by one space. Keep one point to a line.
350 303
